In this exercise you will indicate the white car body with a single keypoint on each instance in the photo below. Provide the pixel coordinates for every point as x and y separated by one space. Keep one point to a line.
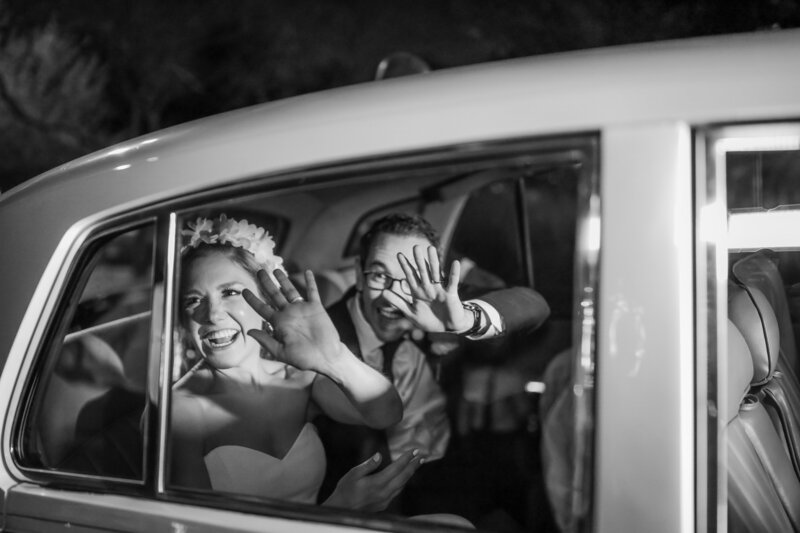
644 240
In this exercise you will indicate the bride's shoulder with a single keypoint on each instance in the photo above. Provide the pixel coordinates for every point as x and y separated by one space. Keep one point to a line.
189 395
188 412
287 374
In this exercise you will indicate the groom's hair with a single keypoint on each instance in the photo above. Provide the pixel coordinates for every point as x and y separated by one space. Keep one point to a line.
397 224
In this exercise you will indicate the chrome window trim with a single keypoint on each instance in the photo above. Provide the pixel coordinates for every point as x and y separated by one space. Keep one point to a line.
711 336
586 281
167 352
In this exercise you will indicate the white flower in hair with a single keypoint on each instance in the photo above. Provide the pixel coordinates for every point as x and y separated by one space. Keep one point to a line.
240 234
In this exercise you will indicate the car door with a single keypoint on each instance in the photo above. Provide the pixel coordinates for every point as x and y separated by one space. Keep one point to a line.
91 434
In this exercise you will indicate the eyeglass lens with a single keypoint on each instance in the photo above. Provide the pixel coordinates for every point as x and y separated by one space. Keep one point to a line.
383 281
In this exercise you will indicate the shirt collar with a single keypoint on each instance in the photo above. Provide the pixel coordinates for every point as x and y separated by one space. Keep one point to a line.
367 340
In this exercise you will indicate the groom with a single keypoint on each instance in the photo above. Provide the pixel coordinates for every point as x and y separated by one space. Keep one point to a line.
400 288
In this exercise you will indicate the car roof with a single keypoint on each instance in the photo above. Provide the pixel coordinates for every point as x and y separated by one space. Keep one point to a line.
704 80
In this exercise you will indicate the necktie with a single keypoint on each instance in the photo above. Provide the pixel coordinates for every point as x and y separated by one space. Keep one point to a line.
388 350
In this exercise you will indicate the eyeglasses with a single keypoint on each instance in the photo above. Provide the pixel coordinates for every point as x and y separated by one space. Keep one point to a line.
380 281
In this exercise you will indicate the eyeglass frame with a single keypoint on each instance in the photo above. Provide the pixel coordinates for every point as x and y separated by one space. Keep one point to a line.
404 286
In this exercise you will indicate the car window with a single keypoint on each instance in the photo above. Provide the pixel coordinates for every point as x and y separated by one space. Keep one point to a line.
754 352
488 235
761 179
85 411
511 226
522 232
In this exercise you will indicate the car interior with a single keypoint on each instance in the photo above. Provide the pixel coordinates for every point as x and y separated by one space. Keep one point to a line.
763 431
509 225
763 365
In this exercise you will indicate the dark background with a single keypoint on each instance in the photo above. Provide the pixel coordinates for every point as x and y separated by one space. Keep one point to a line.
79 75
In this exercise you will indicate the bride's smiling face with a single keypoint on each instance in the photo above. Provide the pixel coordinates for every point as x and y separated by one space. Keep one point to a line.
215 313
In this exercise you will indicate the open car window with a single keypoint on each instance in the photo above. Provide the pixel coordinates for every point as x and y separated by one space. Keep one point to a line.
513 221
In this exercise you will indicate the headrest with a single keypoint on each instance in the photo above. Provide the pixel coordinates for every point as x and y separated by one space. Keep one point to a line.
759 270
756 268
740 370
752 314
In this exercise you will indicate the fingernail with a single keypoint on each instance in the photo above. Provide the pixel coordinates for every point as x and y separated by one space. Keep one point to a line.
376 457
415 452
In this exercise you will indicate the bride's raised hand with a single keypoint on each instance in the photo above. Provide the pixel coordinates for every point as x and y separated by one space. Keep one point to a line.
364 489
302 332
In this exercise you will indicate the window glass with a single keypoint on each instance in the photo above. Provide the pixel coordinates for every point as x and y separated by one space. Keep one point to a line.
761 179
86 411
488 234
500 380
245 423
552 208
758 166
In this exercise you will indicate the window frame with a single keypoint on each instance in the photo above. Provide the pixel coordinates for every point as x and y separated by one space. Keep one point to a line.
51 335
714 242
586 265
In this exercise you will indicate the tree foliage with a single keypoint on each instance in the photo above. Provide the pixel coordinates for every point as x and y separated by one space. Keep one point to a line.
88 72
51 101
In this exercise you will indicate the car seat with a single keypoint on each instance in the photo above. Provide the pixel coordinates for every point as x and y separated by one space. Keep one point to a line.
751 312
759 270
331 283
763 491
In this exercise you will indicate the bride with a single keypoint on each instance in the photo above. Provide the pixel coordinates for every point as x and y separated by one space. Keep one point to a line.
270 361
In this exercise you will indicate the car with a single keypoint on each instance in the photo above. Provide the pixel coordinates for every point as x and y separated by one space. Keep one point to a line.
649 192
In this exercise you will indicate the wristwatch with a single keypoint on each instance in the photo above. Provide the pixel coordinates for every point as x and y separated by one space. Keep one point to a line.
478 327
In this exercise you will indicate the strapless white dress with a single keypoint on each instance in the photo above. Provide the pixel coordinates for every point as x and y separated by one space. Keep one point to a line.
297 477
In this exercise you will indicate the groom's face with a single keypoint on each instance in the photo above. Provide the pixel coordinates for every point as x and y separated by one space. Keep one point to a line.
387 321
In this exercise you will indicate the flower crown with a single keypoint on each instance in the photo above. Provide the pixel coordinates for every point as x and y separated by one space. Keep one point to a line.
240 234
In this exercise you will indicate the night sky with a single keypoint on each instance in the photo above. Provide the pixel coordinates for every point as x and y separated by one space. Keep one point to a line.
80 75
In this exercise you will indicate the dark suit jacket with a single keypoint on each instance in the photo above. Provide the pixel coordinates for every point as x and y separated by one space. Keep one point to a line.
522 309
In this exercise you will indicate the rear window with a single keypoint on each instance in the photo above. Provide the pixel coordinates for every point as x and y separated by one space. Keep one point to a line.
85 413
